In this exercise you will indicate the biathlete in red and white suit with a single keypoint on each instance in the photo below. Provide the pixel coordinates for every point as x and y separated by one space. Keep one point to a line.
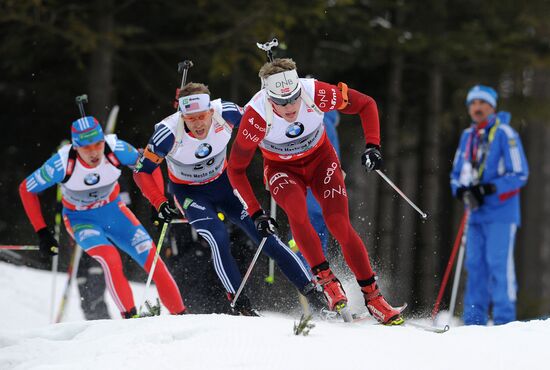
194 143
94 215
285 119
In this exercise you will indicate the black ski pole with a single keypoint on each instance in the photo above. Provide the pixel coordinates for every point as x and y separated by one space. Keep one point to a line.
248 272
424 215
75 256
183 67
268 48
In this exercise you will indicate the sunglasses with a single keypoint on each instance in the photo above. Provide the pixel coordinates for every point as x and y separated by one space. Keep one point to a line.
196 117
285 101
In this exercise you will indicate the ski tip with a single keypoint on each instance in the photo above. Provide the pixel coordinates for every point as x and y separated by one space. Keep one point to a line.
402 307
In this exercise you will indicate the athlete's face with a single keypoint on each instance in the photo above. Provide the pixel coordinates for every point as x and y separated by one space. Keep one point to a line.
92 154
199 123
480 110
289 111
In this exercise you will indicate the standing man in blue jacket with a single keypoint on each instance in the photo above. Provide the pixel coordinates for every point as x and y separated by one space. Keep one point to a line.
489 169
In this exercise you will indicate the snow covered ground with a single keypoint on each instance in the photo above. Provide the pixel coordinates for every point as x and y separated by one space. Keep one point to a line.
28 341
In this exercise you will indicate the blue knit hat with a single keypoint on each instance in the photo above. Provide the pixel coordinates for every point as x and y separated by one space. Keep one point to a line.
86 131
485 93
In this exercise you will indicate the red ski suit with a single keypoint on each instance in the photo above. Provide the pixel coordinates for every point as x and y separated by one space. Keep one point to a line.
315 165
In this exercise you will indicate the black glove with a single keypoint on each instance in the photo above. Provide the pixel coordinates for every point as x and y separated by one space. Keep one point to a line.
460 192
482 190
372 158
265 225
48 245
473 196
167 212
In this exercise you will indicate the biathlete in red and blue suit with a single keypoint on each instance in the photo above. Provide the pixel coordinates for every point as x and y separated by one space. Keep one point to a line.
88 172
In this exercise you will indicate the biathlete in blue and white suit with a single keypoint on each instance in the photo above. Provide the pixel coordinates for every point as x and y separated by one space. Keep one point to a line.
194 142
488 171
94 215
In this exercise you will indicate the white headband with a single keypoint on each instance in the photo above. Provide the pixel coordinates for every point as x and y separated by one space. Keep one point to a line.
282 84
194 103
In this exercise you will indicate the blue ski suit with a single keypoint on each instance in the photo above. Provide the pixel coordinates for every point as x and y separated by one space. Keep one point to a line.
492 155
99 221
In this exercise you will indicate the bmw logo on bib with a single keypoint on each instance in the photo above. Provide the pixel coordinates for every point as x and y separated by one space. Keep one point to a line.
91 179
203 151
294 130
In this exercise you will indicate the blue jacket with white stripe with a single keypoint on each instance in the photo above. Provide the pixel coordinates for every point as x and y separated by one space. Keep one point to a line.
501 161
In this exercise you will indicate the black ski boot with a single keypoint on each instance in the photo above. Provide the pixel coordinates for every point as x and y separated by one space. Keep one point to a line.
131 314
243 307
315 298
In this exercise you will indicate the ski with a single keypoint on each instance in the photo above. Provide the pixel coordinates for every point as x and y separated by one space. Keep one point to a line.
430 328
365 316
425 327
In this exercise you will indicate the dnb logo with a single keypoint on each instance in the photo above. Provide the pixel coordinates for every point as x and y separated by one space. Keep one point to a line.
203 151
91 179
294 130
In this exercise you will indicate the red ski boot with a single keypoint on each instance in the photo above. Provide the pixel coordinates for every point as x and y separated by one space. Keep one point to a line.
334 293
377 305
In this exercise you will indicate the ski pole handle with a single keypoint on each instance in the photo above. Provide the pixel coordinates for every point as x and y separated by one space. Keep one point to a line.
19 247
267 47
80 100
422 214
183 67
248 273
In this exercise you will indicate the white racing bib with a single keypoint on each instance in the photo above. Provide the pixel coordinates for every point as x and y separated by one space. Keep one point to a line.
194 161
90 187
